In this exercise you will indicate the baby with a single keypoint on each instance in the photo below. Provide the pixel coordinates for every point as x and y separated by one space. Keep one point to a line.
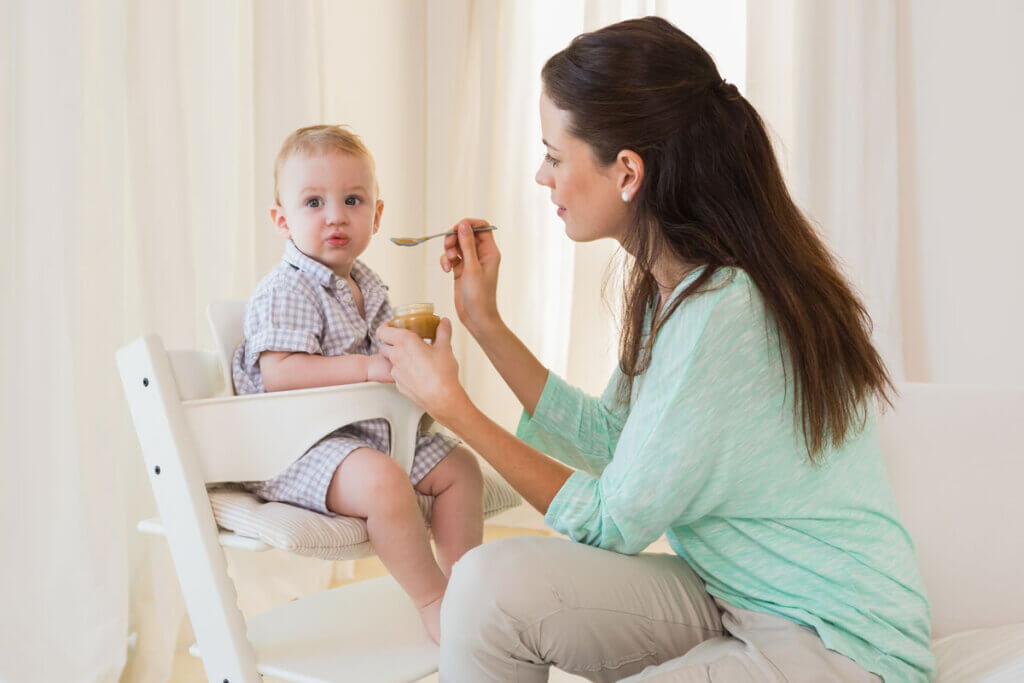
312 322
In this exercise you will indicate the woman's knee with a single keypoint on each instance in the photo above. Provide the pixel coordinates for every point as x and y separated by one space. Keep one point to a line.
497 581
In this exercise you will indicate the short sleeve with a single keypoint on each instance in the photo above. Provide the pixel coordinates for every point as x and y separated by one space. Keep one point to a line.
282 319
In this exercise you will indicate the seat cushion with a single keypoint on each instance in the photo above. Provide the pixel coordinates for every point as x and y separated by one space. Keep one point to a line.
330 537
992 655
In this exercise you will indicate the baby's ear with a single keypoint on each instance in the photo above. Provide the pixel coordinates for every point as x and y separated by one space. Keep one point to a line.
376 218
279 220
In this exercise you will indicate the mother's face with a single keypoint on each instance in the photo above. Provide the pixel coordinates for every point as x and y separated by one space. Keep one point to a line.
586 193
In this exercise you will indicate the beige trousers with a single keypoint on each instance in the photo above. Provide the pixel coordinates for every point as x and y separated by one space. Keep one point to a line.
518 606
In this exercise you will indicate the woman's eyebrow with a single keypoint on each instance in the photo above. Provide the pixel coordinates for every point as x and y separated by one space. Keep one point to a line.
548 144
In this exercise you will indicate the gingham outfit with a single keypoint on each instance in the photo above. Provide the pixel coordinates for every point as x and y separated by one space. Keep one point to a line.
303 306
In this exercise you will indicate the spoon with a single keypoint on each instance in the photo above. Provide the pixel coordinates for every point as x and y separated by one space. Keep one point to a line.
413 241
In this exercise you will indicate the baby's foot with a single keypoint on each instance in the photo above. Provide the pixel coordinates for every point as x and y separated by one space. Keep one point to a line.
431 616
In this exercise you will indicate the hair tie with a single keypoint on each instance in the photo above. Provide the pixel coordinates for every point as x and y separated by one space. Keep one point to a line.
728 90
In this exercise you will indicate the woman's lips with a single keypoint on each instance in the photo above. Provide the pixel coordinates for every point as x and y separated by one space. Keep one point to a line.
561 211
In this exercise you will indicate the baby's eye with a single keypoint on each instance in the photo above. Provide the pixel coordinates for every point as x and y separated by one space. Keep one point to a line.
353 201
314 202
551 160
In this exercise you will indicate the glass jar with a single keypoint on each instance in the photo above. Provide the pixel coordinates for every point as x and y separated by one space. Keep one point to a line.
419 318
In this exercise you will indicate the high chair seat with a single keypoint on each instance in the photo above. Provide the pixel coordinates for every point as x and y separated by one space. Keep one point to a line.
305 532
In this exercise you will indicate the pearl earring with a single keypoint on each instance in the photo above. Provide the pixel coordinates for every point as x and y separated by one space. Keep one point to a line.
625 196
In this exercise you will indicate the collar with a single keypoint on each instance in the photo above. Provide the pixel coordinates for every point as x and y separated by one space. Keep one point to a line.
362 274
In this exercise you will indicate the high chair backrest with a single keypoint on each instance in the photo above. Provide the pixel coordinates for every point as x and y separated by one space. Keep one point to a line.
226 322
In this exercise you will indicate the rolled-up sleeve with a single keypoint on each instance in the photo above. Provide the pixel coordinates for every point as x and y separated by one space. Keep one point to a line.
657 476
577 429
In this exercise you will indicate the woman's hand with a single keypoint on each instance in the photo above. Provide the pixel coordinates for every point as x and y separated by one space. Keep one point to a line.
473 259
427 374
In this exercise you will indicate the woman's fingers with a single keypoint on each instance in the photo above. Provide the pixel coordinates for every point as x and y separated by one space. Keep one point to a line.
467 245
451 257
395 337
452 263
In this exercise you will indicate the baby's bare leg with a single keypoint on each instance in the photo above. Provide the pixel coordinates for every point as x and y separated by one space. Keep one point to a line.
372 485
458 516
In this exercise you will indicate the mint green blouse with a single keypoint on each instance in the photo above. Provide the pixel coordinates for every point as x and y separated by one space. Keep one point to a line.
708 452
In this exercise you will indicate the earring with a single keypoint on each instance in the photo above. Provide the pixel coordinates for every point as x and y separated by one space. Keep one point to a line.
625 196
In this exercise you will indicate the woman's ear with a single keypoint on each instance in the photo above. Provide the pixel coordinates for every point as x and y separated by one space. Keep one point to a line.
376 218
630 173
279 220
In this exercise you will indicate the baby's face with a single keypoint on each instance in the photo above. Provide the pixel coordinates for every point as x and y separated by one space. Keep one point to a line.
329 207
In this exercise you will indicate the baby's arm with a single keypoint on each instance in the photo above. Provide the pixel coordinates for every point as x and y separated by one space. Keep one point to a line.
286 370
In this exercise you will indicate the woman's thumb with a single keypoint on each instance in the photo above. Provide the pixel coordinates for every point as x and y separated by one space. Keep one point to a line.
443 336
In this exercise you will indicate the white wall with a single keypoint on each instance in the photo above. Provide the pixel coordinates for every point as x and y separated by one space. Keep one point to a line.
961 129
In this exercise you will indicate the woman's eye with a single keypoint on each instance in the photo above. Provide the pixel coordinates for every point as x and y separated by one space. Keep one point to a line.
550 159
314 202
352 201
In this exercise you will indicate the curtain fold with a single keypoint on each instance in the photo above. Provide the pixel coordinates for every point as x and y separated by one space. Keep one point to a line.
61 531
824 76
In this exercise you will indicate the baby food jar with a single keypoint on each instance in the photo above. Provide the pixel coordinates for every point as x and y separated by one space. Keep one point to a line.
419 318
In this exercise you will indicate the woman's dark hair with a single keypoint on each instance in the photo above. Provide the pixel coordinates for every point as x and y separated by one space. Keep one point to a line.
713 194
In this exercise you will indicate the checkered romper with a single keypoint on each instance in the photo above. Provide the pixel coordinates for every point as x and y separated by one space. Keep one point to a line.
303 306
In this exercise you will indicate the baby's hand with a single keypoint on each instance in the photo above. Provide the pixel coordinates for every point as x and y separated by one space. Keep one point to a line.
378 369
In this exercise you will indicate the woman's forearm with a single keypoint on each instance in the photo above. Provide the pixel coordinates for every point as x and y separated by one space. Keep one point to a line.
534 475
520 369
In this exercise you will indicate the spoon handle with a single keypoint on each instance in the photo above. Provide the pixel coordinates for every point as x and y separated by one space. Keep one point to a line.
482 228
413 241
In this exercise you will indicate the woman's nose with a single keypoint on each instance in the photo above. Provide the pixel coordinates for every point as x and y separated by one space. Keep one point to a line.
543 177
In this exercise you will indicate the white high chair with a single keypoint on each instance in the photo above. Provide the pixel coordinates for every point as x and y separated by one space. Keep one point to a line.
194 432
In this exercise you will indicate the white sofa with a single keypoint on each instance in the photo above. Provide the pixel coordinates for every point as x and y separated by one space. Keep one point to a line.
955 456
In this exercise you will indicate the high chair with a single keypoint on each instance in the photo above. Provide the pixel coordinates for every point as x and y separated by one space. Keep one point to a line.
194 432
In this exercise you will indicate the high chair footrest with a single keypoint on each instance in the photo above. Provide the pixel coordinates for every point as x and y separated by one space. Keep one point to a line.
227 539
365 631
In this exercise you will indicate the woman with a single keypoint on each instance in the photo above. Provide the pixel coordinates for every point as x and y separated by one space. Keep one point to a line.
739 422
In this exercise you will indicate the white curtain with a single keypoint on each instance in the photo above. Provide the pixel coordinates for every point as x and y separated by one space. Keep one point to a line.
136 161
825 76
61 422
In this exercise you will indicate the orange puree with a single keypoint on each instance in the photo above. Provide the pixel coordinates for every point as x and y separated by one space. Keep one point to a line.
419 318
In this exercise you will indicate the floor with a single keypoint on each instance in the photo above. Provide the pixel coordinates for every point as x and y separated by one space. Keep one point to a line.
187 669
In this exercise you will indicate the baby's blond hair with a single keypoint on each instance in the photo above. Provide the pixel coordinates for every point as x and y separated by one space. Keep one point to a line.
312 139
